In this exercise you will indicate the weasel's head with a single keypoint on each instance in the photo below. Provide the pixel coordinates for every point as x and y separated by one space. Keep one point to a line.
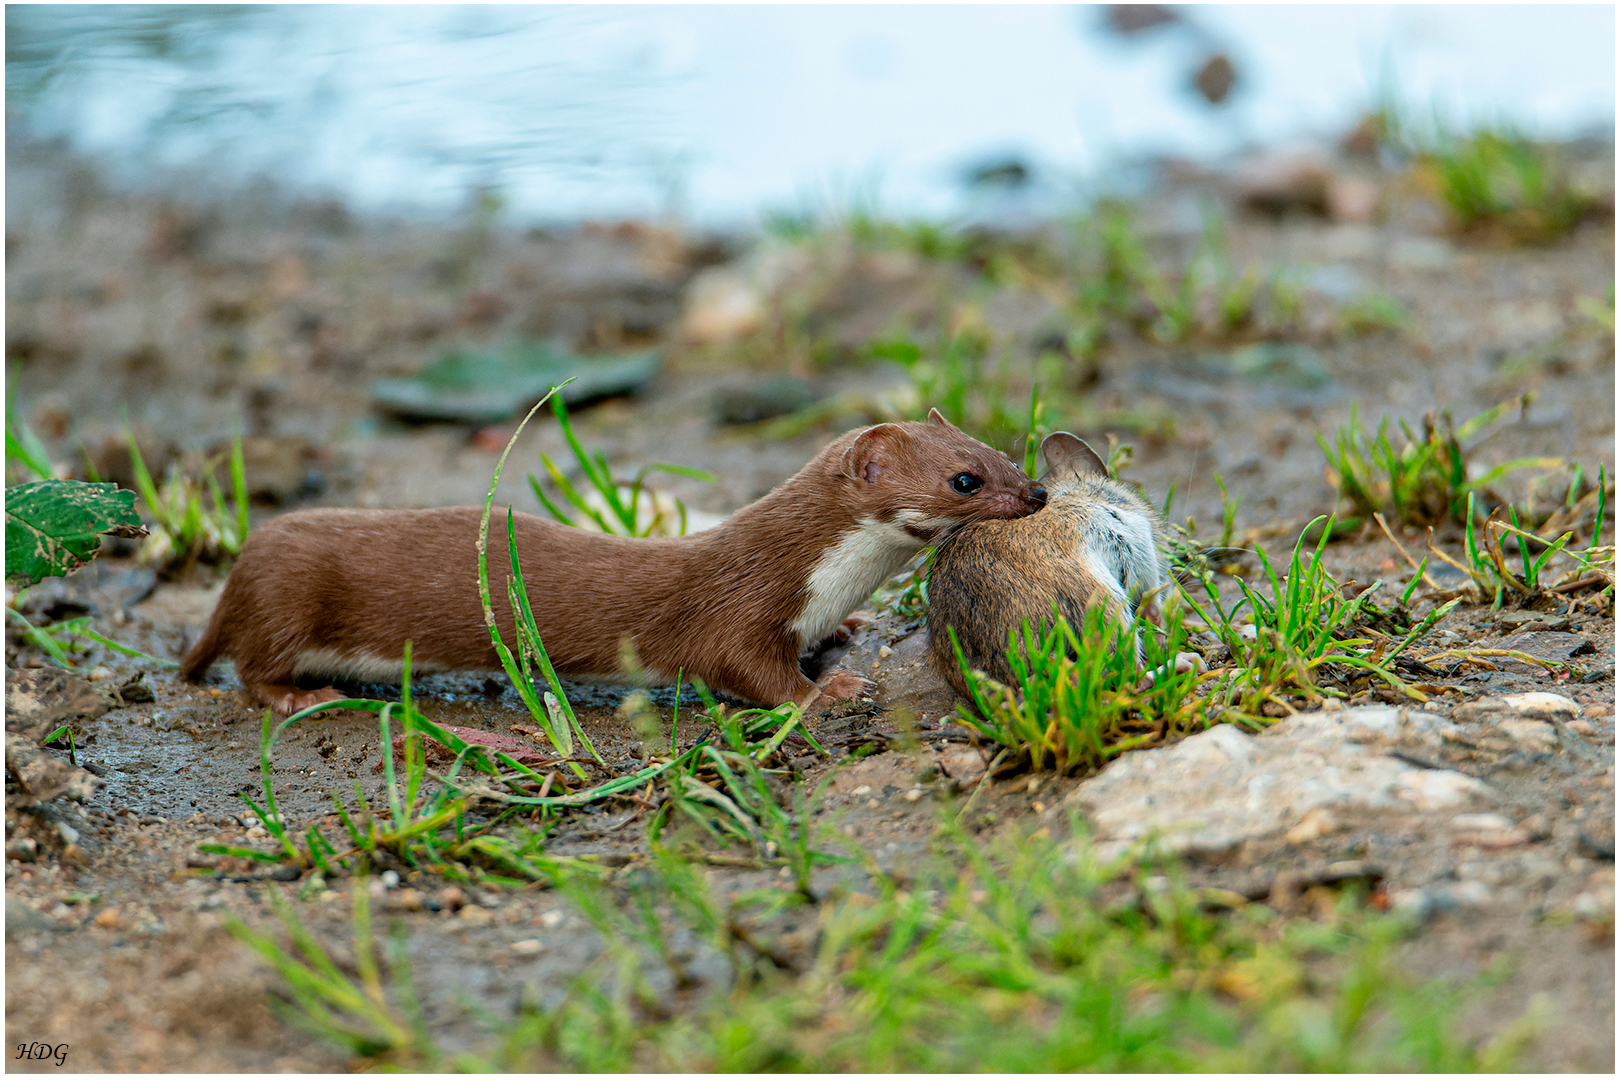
931 478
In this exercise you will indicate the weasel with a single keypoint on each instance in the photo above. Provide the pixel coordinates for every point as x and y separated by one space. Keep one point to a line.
1097 543
337 593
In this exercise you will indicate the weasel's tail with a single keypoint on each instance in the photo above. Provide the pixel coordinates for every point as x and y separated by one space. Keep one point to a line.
207 649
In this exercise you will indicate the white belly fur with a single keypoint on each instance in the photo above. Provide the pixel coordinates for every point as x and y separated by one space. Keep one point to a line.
849 572
359 668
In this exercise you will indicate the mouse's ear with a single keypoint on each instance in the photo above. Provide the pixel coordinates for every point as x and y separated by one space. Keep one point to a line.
1065 453
869 455
934 417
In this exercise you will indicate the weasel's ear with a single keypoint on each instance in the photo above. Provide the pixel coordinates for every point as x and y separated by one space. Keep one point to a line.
868 456
935 418
1065 453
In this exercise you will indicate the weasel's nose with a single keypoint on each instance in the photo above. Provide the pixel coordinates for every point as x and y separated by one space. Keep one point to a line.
1037 495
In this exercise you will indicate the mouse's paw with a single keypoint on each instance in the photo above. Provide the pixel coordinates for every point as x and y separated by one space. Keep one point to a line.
846 630
843 685
298 700
1186 663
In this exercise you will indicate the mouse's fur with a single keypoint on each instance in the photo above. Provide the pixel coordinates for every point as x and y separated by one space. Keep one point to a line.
1097 542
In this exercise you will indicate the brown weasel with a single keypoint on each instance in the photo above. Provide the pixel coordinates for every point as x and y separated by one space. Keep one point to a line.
337 593
1097 543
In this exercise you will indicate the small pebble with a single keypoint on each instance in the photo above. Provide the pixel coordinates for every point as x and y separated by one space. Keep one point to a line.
864 789
99 673
1316 824
474 914
884 652
914 794
872 804
552 919
1480 822
527 947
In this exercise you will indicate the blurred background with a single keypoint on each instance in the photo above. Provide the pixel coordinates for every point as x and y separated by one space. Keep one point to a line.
715 115
365 238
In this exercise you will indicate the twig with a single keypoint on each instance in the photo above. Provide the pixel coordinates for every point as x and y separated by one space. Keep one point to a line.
1422 570
982 781
1592 578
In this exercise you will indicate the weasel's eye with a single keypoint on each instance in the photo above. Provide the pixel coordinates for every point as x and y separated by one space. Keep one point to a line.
965 483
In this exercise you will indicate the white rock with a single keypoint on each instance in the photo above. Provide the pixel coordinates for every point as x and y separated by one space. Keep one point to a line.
721 305
1437 789
1530 733
1480 822
1221 787
1540 705
1315 824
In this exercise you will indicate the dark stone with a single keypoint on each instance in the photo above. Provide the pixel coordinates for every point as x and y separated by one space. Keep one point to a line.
98 589
1597 844
762 400
1215 78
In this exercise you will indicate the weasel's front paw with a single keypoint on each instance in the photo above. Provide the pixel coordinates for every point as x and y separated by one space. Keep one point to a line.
843 685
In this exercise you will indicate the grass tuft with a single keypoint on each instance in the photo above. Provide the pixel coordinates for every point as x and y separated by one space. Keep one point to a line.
1499 184
1084 695
191 522
612 505
1428 480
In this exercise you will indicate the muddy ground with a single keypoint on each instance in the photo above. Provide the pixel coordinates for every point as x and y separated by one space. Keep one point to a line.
197 315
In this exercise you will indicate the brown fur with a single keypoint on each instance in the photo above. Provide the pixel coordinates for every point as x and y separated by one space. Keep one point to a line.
994 576
718 605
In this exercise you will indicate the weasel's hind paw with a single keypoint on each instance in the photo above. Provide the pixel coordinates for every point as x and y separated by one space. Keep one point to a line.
298 700
843 685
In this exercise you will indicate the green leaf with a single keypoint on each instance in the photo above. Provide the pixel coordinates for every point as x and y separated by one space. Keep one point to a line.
56 526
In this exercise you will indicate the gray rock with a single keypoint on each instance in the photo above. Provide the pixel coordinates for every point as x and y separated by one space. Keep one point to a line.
762 400
22 919
1528 620
99 588
38 700
1538 705
1548 645
1222 787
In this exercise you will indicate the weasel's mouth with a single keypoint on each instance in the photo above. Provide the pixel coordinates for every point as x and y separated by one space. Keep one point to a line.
929 534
